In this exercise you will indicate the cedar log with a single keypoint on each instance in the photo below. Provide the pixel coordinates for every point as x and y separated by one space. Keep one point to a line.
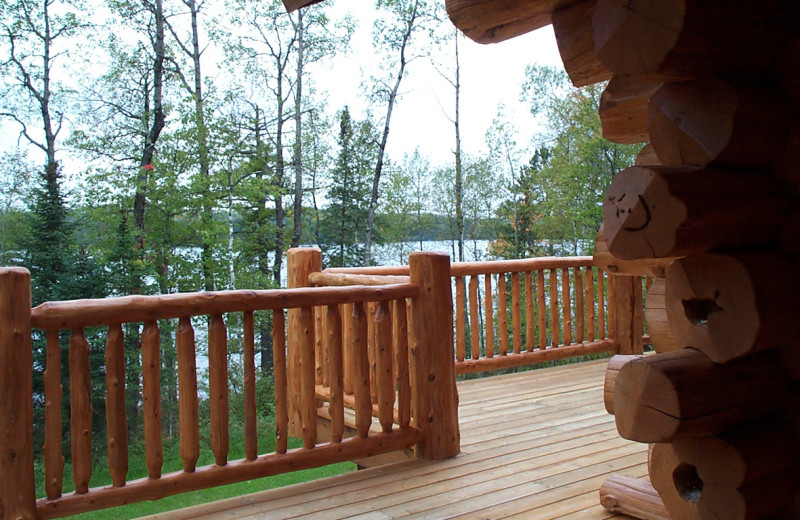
492 21
655 314
713 122
633 497
617 266
733 304
647 156
684 39
572 26
662 461
614 365
745 473
623 109
663 397
659 211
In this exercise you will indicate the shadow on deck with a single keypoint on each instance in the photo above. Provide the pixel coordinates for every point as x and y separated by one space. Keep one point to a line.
535 445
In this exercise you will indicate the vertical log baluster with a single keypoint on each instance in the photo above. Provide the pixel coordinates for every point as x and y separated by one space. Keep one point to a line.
346 313
17 489
116 420
474 320
308 401
460 325
151 398
400 340
358 337
502 316
580 321
530 326
281 389
566 308
218 388
612 313
372 343
54 393
516 313
601 312
589 288
187 389
333 346
555 327
320 356
80 411
383 333
489 313
541 307
250 421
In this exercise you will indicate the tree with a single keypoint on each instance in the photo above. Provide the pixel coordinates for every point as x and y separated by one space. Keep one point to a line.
395 34
345 217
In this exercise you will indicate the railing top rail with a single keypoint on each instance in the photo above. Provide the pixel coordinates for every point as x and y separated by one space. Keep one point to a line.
474 268
346 279
126 309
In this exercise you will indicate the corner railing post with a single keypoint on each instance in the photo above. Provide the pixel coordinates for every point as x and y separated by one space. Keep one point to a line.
17 492
628 313
301 261
433 384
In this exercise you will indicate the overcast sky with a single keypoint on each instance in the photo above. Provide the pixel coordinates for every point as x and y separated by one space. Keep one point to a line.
490 74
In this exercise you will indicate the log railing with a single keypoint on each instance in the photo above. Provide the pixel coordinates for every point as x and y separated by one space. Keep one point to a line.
295 378
517 312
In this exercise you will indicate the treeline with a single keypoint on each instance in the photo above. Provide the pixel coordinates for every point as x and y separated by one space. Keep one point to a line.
166 147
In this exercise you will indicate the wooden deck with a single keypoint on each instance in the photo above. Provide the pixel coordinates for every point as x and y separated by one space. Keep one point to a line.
535 445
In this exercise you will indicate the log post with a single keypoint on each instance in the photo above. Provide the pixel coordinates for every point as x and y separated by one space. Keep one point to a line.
433 384
628 314
301 261
17 492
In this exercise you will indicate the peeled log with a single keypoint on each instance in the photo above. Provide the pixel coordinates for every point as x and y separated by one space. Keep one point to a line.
623 109
572 26
683 39
745 473
661 464
647 156
633 497
712 122
612 371
492 21
655 315
734 304
639 267
660 211
678 394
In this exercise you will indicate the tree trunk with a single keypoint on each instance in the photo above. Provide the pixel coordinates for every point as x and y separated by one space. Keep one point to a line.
297 235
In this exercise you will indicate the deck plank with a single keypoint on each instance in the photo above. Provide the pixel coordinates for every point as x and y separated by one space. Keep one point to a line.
538 447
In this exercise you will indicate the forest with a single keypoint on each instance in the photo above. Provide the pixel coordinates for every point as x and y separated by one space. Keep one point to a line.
200 148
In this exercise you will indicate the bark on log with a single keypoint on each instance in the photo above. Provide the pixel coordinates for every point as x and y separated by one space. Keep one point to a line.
733 304
662 461
612 371
572 26
633 497
655 314
617 266
713 122
660 212
678 394
492 21
623 109
683 39
745 473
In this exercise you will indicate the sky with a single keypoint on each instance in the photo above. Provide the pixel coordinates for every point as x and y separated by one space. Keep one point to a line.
490 75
